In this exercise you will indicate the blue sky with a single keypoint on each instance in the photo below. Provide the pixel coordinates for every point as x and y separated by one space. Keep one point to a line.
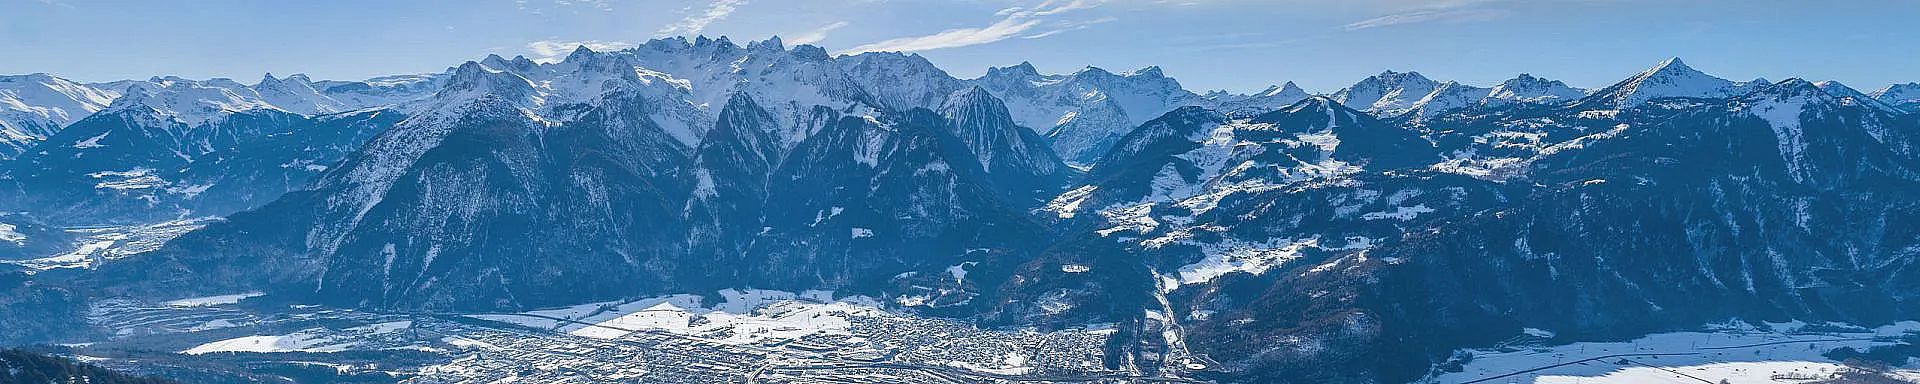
1240 45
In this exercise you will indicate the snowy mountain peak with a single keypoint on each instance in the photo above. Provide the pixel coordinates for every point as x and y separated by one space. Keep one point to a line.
810 52
1529 89
49 99
772 44
1796 92
721 43
1795 85
473 80
1092 71
1672 64
971 95
296 94
1899 91
1447 97
1839 90
1671 78
1852 95
1313 103
1272 98
1906 96
900 81
33 107
579 53
1284 89
1022 70
1086 112
190 102
1388 93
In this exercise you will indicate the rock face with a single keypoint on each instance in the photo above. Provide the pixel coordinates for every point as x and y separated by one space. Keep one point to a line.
625 188
1271 237
1388 93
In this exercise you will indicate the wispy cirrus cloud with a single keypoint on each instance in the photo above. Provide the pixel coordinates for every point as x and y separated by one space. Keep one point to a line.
1014 22
696 22
1452 11
1071 26
817 34
548 51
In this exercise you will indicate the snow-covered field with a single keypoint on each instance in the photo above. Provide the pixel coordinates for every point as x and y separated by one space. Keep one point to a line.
211 300
1737 353
743 317
303 341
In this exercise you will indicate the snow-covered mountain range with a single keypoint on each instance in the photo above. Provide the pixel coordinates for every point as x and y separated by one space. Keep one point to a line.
1258 237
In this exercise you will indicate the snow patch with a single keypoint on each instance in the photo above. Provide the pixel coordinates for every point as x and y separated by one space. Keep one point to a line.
310 340
11 233
208 301
92 142
1398 213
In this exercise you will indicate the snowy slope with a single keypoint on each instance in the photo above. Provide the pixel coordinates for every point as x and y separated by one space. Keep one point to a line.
34 106
1671 78
1851 95
1272 98
1449 96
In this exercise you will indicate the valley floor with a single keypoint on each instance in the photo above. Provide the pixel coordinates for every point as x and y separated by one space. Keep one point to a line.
749 336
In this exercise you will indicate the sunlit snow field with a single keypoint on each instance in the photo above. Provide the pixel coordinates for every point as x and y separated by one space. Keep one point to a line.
1737 353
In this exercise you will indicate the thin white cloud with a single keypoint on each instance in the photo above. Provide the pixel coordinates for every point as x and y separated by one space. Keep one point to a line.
1071 26
547 51
814 36
1451 11
1014 22
694 23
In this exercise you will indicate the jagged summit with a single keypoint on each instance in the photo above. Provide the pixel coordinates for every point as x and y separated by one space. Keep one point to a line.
473 79
770 44
1388 93
1084 113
